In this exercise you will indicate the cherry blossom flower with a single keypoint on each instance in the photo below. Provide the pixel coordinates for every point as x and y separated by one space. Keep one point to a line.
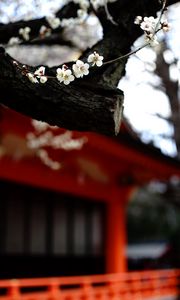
39 126
43 79
14 41
44 31
82 15
44 156
32 78
166 26
40 74
67 77
68 22
44 136
60 74
24 32
138 20
148 24
64 75
95 59
53 21
80 68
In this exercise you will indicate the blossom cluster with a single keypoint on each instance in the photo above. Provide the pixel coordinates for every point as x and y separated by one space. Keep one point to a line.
66 75
54 22
44 136
38 74
25 35
82 13
151 26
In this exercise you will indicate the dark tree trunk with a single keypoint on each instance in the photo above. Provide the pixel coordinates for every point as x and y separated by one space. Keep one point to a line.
172 92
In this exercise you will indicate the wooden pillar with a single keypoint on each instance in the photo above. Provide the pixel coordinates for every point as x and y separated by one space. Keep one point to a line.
116 235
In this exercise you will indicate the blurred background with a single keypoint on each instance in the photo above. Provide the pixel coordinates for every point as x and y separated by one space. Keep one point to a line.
56 185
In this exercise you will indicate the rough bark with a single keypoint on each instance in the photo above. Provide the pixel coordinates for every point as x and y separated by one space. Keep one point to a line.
78 106
90 104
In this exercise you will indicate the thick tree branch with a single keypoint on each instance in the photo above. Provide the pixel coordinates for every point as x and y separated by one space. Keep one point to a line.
12 29
81 106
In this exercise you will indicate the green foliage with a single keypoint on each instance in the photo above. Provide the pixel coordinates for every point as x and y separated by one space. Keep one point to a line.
150 217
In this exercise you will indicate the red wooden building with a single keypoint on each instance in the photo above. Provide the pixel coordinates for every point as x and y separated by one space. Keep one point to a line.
70 221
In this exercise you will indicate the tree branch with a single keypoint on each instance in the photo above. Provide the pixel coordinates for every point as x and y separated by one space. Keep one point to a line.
80 106
90 104
12 29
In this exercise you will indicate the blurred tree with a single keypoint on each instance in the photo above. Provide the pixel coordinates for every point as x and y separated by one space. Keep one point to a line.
170 85
152 217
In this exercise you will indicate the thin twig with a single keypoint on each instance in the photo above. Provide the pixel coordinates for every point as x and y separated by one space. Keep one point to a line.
126 55
144 45
160 16
109 17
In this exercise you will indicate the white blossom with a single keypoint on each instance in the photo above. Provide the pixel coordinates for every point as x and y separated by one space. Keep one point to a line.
53 21
80 68
60 74
39 126
43 79
65 141
166 26
40 74
67 77
24 32
32 78
64 75
148 24
44 156
14 41
95 59
68 22
44 31
82 15
138 20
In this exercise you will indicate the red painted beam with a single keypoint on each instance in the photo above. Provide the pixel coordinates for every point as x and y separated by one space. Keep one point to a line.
116 157
33 173
161 168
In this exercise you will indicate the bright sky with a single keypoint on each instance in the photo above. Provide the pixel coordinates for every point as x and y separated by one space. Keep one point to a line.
30 9
142 101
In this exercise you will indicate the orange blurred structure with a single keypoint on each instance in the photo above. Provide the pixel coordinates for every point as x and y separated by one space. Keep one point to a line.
106 171
126 286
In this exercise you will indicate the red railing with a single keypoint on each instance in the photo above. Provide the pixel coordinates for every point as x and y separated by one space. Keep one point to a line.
126 286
